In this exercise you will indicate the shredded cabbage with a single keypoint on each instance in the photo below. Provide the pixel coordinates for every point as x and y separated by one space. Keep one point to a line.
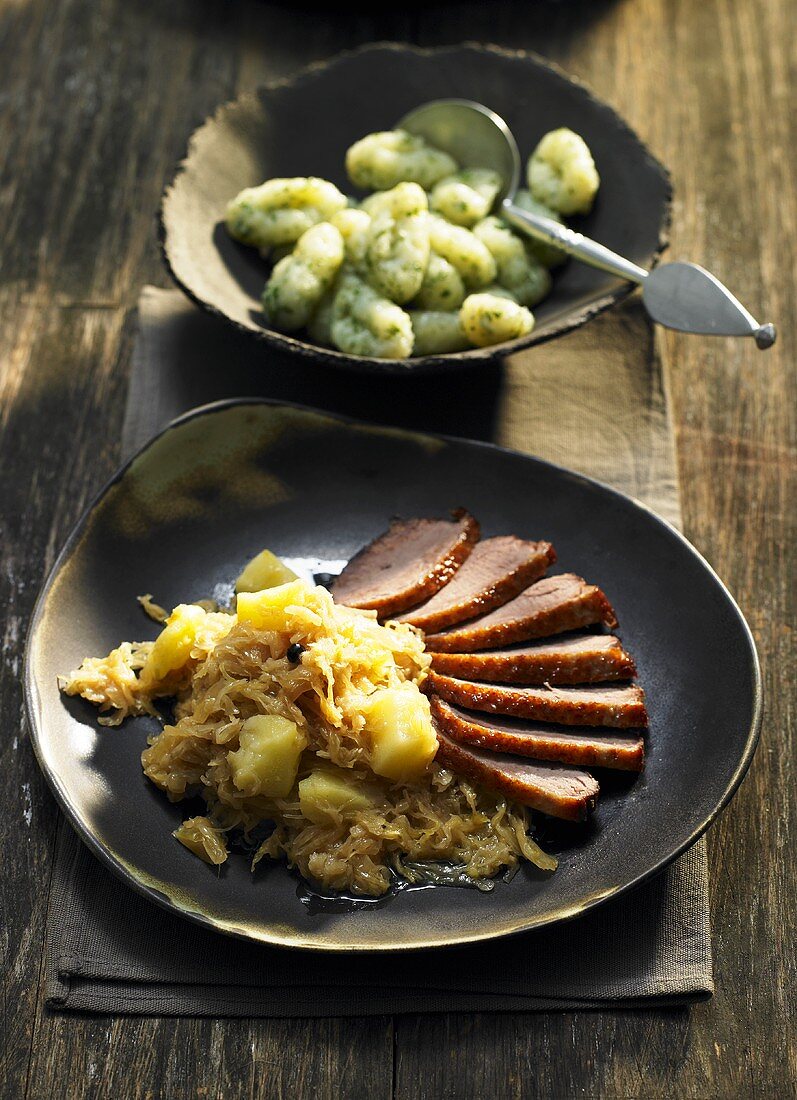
291 651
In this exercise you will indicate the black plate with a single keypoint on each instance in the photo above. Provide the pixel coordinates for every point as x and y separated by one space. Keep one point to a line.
224 481
303 126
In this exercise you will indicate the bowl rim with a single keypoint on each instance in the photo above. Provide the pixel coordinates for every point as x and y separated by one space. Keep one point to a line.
473 357
293 941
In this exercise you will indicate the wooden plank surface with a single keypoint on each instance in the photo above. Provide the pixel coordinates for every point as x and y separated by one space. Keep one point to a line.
96 102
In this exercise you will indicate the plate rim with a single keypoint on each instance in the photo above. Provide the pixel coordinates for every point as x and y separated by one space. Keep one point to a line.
567 913
473 357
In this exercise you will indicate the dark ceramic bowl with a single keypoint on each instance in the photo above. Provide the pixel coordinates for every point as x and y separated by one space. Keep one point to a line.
303 126
202 497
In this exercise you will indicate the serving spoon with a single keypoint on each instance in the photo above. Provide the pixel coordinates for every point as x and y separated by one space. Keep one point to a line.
679 295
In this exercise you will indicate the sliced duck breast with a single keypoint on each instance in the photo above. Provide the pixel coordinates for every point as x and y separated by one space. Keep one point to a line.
579 659
615 706
551 606
552 788
406 565
497 570
582 747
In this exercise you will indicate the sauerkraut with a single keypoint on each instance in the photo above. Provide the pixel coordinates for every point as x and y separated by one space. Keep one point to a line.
303 720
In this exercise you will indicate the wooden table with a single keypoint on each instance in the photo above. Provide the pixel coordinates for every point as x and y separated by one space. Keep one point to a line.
97 98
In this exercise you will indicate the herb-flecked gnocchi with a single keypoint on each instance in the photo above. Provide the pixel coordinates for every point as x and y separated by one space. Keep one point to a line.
423 265
517 269
397 243
366 323
380 161
299 281
490 319
280 210
467 196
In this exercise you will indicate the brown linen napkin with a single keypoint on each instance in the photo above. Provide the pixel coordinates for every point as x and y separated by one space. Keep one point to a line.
592 401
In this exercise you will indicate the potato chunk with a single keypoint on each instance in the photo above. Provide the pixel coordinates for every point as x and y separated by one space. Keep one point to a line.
328 793
403 741
265 570
268 759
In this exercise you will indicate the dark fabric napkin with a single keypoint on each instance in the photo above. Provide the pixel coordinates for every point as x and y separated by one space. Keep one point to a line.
594 402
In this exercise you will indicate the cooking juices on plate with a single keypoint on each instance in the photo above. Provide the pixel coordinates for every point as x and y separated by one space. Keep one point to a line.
421 266
404 725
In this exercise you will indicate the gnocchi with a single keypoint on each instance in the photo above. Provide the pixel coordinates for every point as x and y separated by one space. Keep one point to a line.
500 292
352 224
442 287
366 323
467 196
464 251
319 327
562 174
279 211
299 281
519 272
437 332
397 243
402 201
489 319
379 161
421 265
548 254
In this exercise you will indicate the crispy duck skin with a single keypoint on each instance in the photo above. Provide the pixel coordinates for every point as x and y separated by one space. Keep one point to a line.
551 606
497 570
406 565
551 788
583 747
614 706
580 659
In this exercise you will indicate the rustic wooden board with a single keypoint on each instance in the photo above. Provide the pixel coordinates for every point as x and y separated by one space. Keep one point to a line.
706 86
97 101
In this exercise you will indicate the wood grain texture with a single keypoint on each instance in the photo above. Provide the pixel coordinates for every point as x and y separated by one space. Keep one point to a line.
78 189
97 100
706 86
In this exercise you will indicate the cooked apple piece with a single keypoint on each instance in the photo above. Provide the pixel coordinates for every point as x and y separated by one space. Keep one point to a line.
264 571
189 631
403 740
265 610
268 759
327 793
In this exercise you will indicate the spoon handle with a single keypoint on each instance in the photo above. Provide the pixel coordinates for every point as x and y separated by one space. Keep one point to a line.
575 244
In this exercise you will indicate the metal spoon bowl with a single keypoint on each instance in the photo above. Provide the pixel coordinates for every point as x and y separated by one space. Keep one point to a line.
682 296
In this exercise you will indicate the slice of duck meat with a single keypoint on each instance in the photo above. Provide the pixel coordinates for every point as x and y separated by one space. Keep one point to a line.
615 706
411 561
551 606
497 570
580 659
583 747
552 788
